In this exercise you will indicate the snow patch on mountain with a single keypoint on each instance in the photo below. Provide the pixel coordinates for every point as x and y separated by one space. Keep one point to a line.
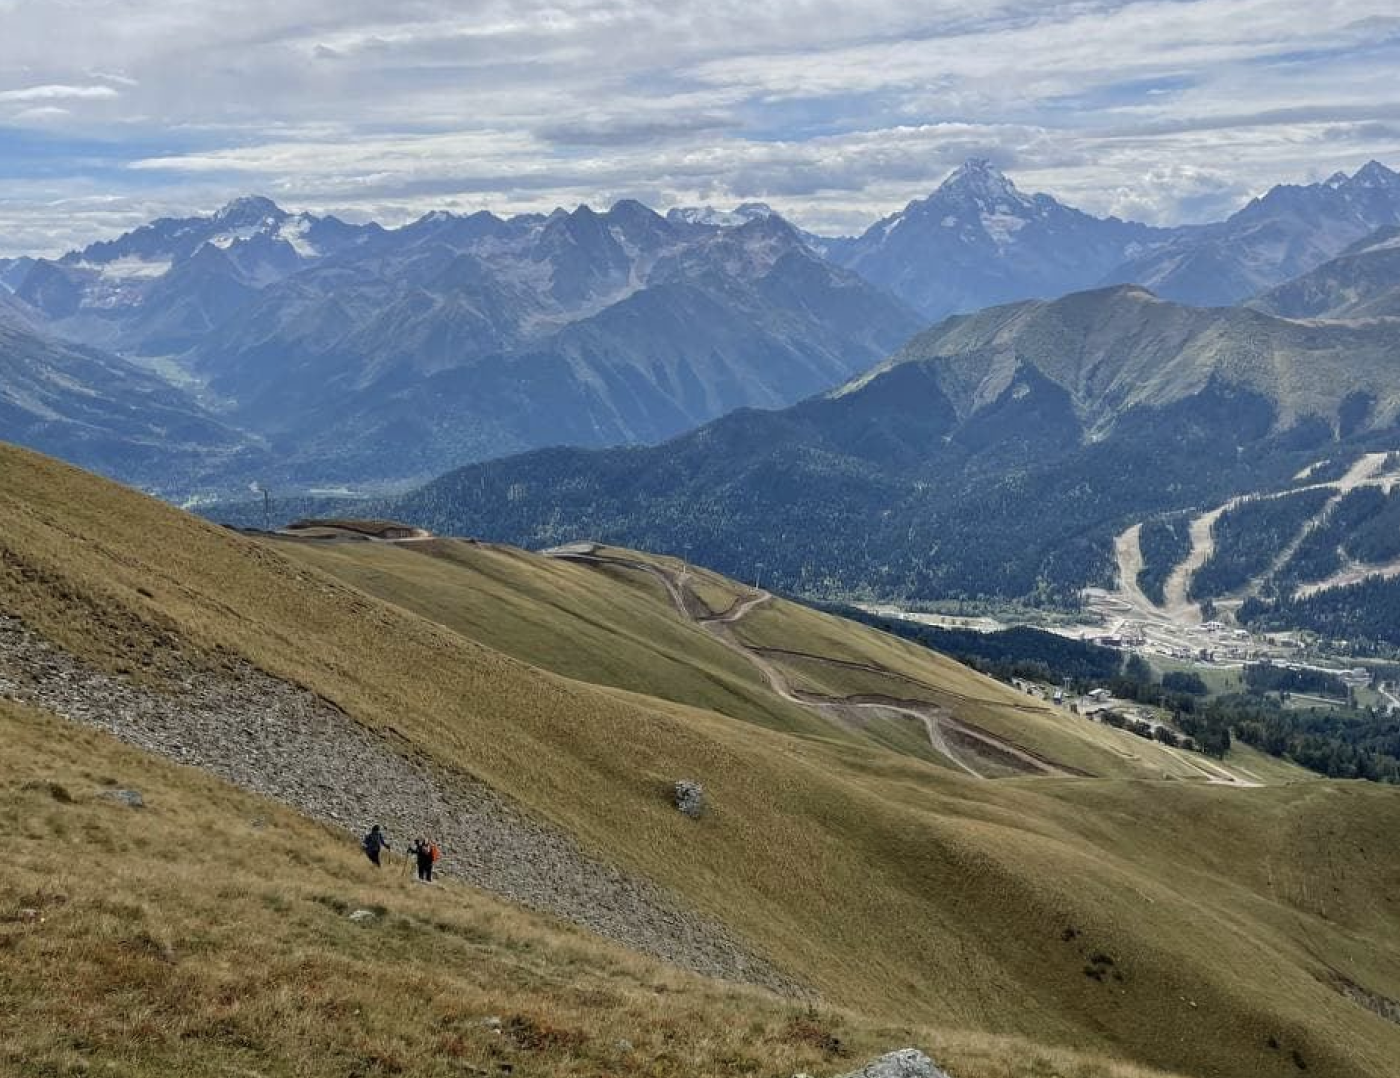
708 215
131 268
294 232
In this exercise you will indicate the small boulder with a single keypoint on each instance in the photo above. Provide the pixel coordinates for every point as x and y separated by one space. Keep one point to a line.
362 916
131 798
29 916
905 1063
690 798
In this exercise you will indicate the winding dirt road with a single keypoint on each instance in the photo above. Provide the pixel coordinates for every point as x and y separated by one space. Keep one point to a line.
945 731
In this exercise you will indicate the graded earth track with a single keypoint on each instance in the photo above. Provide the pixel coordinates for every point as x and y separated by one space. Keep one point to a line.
940 725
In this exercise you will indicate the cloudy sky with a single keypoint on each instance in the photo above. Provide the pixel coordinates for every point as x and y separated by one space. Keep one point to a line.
837 112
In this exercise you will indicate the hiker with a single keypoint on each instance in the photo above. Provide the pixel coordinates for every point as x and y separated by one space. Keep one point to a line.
374 842
426 853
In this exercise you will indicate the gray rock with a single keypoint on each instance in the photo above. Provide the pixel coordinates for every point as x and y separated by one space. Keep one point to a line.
132 798
905 1063
690 798
362 916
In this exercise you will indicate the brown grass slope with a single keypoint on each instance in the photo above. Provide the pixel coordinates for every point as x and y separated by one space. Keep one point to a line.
896 888
603 626
618 627
137 963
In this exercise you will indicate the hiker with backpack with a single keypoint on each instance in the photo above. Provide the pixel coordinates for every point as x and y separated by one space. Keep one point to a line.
373 843
427 854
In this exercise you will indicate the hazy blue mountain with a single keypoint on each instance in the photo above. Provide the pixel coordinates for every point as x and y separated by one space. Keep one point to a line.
101 412
1285 233
979 241
1362 282
462 338
158 289
12 271
996 455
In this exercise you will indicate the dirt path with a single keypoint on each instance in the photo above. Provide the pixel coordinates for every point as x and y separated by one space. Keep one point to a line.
940 725
1361 474
1352 574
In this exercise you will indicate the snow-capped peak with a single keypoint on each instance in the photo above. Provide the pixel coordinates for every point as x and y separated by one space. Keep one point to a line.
1375 174
979 179
249 210
708 215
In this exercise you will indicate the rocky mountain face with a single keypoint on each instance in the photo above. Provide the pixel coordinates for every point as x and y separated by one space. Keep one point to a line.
1362 282
462 338
995 455
102 412
157 290
1287 232
366 355
978 241
12 271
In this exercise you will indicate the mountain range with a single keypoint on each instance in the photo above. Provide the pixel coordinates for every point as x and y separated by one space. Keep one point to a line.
363 354
979 241
359 355
996 455
99 411
1362 282
461 339
1284 233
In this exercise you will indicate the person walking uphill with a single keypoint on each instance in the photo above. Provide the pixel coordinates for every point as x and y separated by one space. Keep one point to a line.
374 842
426 853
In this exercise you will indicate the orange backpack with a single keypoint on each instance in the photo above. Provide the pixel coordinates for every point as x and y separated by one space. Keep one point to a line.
434 851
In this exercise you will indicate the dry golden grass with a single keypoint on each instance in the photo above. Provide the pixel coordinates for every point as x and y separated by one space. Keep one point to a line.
207 934
919 674
605 626
901 890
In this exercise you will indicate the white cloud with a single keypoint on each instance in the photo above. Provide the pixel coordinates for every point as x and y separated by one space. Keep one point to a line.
836 112
57 91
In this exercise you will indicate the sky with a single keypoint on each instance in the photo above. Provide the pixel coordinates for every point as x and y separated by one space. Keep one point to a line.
836 112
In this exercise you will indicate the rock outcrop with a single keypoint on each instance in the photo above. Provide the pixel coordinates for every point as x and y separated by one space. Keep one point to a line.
690 798
905 1063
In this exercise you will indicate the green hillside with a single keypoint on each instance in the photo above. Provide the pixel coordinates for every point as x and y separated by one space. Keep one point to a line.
1362 282
994 458
1162 922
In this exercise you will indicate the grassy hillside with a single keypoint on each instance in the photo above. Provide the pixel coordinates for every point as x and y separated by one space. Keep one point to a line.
997 456
1170 923
609 627
139 967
